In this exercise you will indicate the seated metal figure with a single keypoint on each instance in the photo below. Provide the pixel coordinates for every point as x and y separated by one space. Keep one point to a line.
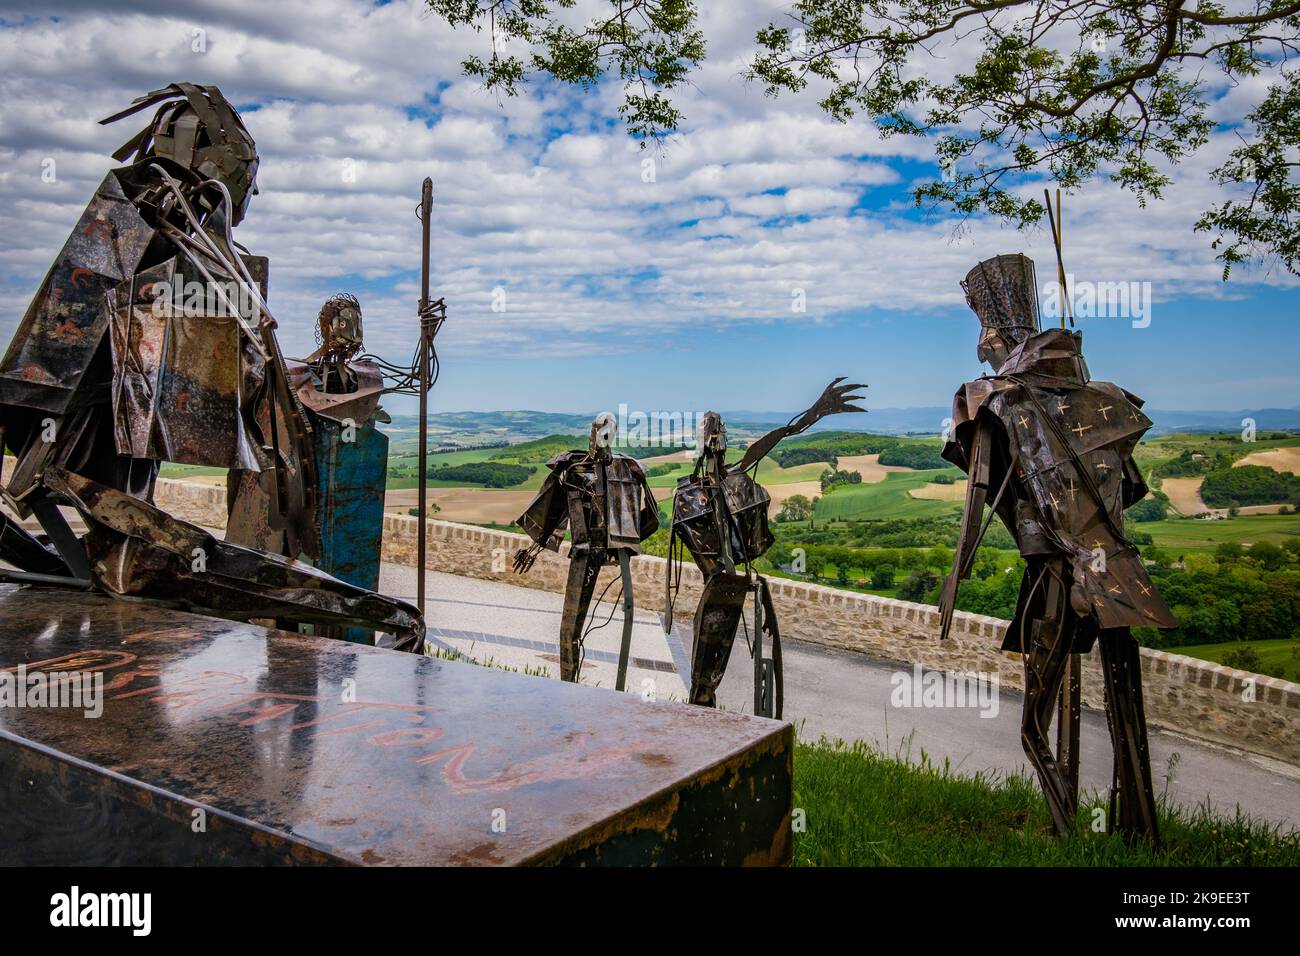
720 515
150 341
1050 451
607 504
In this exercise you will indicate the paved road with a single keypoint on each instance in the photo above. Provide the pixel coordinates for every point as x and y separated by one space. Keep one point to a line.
839 694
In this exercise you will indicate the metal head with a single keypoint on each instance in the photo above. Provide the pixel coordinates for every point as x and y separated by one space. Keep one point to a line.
710 435
340 326
197 129
601 439
1002 292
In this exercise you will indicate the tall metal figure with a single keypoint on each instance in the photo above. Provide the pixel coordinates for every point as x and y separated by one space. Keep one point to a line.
150 340
720 516
605 501
1050 451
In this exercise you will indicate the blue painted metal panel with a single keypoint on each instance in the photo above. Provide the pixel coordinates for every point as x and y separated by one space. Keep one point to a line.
352 476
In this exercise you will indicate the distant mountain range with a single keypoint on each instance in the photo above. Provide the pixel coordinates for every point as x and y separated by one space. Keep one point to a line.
469 428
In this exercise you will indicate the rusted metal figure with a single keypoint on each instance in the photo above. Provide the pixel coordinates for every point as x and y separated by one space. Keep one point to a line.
720 515
150 340
1050 451
605 501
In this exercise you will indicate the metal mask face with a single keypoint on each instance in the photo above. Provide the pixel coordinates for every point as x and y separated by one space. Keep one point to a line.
196 128
1002 292
340 325
601 440
710 435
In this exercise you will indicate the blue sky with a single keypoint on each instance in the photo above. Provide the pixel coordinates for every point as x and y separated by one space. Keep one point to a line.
660 279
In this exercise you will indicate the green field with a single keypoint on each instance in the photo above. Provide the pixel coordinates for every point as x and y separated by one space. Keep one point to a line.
1191 534
885 499
1274 654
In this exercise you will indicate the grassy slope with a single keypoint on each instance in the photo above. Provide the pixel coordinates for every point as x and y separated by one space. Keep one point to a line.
863 808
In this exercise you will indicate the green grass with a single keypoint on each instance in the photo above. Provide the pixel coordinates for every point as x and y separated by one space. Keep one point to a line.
1181 534
1274 654
885 499
172 470
864 808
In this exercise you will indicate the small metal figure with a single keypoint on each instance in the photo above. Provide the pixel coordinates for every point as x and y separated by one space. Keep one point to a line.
720 515
150 340
1054 449
606 503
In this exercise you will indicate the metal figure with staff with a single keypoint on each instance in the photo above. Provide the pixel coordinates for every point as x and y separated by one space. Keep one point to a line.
605 501
117 367
720 516
1050 452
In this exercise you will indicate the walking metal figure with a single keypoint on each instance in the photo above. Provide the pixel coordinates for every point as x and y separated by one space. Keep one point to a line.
605 501
720 515
1054 450
150 340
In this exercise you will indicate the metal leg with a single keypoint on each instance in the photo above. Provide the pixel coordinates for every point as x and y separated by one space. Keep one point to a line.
1067 729
584 568
629 611
1046 663
68 545
716 620
1133 804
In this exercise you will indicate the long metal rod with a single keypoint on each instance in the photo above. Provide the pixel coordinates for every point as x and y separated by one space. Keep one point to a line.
760 705
426 214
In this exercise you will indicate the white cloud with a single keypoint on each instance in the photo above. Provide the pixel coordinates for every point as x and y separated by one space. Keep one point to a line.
541 194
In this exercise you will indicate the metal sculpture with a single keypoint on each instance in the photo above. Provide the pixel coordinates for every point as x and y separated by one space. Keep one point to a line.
1050 451
720 517
150 340
606 503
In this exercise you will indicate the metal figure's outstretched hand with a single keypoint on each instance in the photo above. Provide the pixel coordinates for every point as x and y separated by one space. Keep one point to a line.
835 399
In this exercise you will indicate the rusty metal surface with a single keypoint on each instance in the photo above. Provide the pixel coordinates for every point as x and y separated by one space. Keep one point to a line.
306 750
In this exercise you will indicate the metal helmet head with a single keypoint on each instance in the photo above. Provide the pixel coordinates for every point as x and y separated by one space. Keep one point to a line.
340 326
710 435
196 128
1002 292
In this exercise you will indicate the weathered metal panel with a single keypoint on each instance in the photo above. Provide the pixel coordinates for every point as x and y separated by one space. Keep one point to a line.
306 750
351 476
65 323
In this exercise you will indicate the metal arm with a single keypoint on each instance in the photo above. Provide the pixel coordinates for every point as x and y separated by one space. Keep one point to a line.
972 532
833 400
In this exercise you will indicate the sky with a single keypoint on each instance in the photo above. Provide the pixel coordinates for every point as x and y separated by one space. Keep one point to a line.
582 272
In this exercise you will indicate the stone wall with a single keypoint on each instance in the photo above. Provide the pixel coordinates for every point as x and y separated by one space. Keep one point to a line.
1197 698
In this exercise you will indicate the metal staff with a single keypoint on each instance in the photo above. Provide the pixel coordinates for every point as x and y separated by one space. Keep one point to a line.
426 212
